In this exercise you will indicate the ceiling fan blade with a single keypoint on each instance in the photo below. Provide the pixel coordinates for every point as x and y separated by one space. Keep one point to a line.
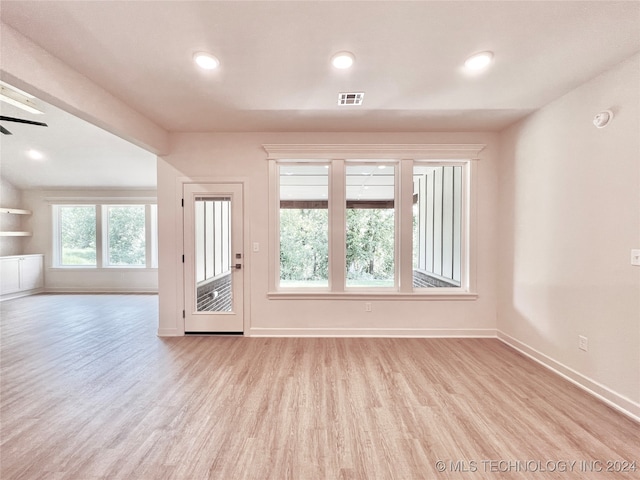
5 131
20 120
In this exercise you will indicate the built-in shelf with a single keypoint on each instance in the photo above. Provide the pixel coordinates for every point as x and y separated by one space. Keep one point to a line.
15 234
15 211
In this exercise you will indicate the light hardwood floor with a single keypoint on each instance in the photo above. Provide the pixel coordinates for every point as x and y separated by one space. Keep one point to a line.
89 392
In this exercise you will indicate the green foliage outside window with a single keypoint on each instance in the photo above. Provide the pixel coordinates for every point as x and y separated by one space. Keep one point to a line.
370 247
304 252
78 235
127 235
304 247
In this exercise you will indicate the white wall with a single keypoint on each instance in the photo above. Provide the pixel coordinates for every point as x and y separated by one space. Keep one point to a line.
569 216
10 197
222 156
79 279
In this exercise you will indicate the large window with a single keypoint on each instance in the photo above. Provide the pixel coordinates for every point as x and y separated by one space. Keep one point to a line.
304 223
437 222
77 239
395 223
126 237
370 225
101 236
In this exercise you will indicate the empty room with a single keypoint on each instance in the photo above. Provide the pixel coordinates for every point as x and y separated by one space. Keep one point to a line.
319 240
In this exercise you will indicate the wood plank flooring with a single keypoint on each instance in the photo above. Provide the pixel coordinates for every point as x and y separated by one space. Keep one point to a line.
89 392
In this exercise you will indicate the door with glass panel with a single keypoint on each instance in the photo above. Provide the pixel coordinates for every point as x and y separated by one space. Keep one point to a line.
213 258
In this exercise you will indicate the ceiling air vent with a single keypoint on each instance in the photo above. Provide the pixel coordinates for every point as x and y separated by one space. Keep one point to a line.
350 98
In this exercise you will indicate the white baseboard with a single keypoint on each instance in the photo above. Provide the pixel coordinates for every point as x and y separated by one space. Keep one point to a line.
24 293
72 290
169 332
619 402
374 332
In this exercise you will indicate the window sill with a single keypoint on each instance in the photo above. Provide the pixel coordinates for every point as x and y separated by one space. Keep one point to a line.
101 269
416 296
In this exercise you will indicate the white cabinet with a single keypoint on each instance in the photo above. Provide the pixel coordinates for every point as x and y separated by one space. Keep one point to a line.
31 276
21 273
9 275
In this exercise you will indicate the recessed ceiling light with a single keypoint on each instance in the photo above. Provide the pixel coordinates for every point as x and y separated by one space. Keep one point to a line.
479 61
343 60
206 61
35 154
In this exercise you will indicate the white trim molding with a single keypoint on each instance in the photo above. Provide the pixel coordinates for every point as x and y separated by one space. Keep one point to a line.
374 332
373 151
169 332
102 290
436 294
619 402
23 293
81 200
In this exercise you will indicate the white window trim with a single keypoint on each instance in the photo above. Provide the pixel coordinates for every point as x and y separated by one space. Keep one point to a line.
151 229
100 204
404 155
103 237
56 244
441 294
340 205
373 151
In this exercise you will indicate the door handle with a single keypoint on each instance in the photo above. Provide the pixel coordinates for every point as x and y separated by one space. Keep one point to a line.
238 266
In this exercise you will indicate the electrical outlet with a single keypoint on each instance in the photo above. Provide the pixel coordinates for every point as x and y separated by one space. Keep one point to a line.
583 343
367 307
635 257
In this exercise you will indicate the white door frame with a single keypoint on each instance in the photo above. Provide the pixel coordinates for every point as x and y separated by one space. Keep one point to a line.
179 239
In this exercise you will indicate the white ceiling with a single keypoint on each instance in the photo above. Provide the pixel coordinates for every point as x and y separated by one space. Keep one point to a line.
275 73
76 154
